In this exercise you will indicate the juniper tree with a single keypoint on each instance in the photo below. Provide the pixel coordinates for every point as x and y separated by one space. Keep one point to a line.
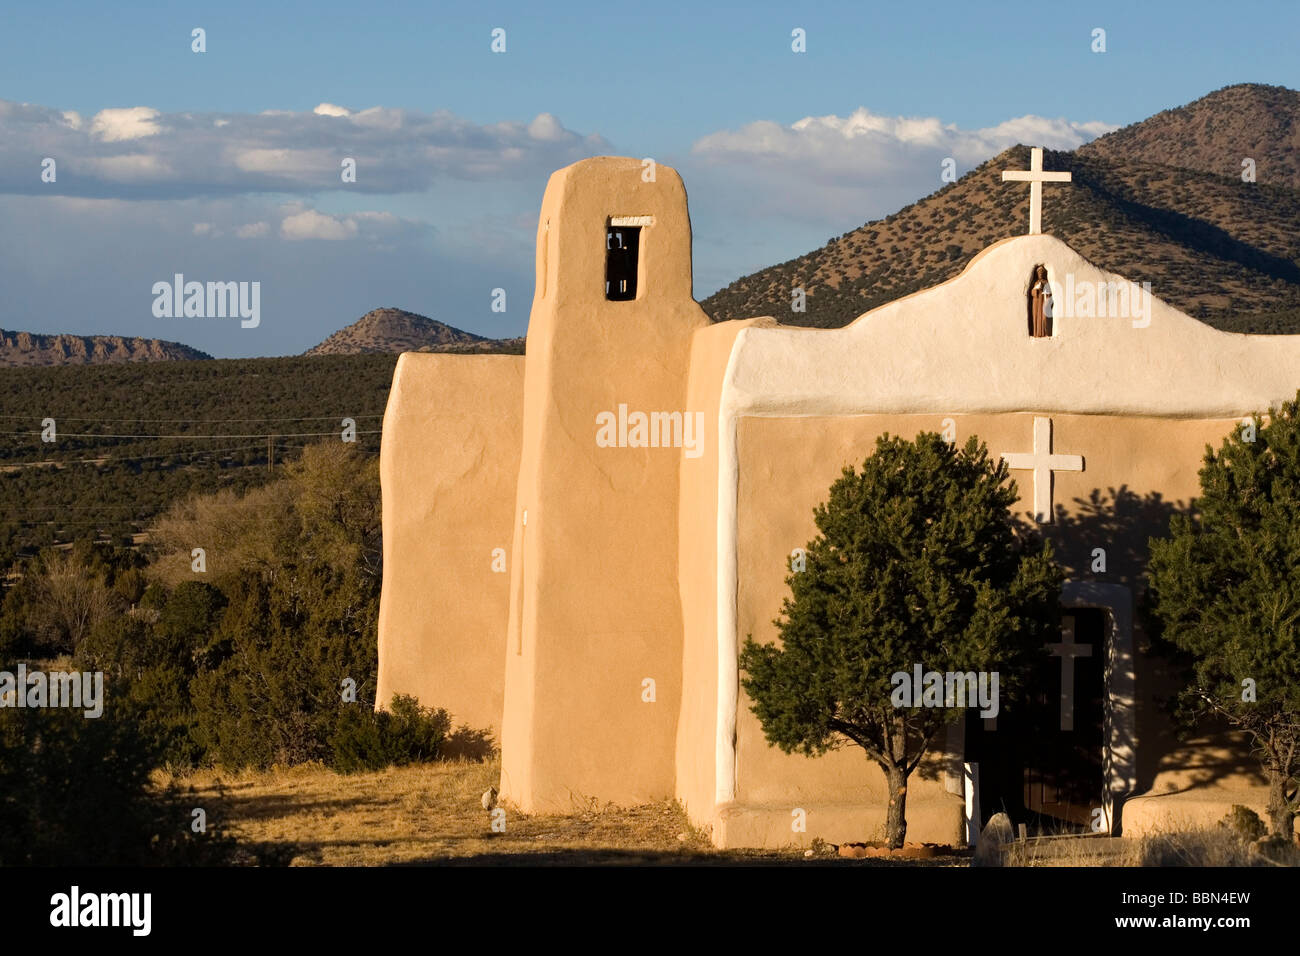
1225 590
918 560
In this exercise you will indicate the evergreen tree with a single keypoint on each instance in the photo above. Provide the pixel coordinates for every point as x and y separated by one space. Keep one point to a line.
1225 590
919 560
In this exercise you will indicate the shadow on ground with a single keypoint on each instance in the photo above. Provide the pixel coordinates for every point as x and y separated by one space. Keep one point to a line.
596 857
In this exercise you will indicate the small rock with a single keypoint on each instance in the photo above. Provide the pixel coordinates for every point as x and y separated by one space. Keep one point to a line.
807 854
681 838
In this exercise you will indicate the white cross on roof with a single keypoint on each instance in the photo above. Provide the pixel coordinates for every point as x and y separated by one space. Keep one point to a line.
1035 177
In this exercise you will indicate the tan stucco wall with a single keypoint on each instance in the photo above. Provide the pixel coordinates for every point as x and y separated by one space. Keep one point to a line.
448 465
697 576
1195 782
595 607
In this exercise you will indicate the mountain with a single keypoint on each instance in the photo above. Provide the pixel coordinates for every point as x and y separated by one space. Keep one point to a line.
1214 246
19 349
396 330
1215 133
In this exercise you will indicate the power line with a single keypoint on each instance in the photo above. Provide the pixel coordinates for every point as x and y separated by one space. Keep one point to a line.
263 435
196 421
107 459
115 458
26 508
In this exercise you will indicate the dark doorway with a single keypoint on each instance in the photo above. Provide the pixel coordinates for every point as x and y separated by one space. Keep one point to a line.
622 245
1046 777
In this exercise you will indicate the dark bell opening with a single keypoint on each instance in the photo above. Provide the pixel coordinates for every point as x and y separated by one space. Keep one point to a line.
622 244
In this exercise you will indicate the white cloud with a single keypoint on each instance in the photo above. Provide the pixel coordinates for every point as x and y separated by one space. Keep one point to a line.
378 221
127 168
383 118
286 162
836 172
866 144
115 125
302 222
195 155
310 224
547 127
822 174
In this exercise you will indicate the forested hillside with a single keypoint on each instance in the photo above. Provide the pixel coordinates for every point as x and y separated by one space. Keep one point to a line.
130 439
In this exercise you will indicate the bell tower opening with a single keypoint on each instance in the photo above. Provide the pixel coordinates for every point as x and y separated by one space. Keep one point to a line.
622 256
622 248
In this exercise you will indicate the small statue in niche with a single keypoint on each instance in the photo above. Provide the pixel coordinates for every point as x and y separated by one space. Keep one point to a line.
1040 304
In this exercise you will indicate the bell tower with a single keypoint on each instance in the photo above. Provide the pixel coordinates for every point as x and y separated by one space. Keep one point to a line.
593 653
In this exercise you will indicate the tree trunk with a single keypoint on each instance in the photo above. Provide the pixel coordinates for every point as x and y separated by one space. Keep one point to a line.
896 821
1281 813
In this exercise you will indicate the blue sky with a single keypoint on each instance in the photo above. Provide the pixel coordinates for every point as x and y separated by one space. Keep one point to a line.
222 165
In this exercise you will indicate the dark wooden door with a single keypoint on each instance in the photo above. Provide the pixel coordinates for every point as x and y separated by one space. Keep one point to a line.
1042 762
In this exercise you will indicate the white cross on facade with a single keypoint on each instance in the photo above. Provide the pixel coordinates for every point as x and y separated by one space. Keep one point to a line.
1035 177
1067 651
1042 463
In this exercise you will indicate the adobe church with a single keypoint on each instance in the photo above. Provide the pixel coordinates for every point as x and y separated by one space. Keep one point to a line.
578 541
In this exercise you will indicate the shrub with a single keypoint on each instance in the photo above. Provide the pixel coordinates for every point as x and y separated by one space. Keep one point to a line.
276 697
1245 822
152 655
365 739
76 791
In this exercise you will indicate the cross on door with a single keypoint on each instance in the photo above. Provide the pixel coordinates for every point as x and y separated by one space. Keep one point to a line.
1042 463
1067 651
1035 176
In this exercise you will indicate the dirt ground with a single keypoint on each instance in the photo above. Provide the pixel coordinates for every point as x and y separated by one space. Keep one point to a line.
431 814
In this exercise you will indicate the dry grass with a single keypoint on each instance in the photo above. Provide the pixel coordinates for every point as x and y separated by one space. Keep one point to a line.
431 814
1073 851
1194 847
